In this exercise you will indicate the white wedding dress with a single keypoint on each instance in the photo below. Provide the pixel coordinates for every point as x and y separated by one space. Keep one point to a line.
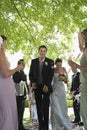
59 117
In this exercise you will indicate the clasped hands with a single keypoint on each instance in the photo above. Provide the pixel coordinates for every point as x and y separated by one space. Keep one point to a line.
34 86
72 93
45 88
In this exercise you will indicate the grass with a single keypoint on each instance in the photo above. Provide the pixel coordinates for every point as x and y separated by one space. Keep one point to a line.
69 103
27 122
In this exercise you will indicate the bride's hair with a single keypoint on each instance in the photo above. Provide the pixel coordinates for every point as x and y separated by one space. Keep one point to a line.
3 37
58 60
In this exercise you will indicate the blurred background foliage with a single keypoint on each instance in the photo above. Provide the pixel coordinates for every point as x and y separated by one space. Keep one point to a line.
30 23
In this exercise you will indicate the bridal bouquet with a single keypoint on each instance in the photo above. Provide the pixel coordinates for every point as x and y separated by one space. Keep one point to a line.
63 78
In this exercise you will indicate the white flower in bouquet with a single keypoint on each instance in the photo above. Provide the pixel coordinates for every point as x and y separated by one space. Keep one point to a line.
63 78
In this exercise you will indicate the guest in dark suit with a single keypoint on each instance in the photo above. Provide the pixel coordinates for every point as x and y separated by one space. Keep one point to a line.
41 74
74 91
20 81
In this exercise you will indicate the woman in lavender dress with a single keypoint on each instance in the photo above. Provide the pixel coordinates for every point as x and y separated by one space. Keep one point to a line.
8 109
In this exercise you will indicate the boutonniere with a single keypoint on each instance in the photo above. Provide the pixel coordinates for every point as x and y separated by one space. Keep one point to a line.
46 63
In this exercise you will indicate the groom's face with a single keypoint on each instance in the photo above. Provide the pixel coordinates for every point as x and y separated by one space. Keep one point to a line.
42 52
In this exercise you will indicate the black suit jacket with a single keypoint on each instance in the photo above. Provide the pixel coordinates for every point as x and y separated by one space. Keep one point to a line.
47 72
75 83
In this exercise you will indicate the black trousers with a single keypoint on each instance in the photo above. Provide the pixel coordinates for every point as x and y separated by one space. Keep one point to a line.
20 109
76 108
42 104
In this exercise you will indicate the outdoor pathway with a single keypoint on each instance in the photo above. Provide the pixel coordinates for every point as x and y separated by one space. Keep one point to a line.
34 125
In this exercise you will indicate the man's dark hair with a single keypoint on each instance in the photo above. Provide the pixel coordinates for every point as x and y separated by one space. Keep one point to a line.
42 46
19 62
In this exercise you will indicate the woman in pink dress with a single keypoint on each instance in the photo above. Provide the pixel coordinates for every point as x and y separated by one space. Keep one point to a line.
8 109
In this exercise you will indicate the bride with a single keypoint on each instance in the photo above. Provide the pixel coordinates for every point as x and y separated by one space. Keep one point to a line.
59 117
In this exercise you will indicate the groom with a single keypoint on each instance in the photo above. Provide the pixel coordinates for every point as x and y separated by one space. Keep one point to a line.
41 74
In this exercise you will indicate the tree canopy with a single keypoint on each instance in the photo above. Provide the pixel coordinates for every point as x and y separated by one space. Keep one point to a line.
30 23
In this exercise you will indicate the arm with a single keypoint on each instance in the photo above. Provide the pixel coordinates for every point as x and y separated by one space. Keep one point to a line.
16 77
19 76
23 76
3 66
49 79
31 73
51 72
71 89
74 64
65 72
66 75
